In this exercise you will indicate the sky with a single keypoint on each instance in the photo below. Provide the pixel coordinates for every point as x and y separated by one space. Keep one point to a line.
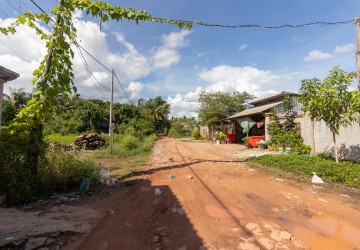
161 60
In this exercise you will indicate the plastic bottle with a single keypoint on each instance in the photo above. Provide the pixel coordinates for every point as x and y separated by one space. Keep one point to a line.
157 191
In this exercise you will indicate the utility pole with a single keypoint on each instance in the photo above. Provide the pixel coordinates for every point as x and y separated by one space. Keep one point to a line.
357 31
111 126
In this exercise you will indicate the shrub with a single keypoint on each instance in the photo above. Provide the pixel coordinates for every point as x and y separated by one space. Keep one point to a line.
196 134
346 173
131 142
63 171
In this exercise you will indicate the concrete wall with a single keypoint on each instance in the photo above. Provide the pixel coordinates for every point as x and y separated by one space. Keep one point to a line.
348 140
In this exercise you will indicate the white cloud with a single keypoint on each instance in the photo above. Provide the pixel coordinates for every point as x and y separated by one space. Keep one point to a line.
317 55
242 47
135 89
176 39
129 64
165 57
349 47
226 78
168 54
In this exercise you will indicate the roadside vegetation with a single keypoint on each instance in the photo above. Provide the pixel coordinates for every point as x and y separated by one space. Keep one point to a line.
35 164
300 166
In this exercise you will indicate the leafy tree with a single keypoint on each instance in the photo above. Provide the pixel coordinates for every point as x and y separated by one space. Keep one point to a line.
157 111
18 97
217 106
55 75
9 112
331 101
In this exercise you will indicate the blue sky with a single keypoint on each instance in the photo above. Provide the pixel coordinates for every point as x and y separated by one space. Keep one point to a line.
160 59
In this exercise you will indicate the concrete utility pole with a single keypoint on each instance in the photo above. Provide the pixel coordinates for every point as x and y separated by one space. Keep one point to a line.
111 127
357 31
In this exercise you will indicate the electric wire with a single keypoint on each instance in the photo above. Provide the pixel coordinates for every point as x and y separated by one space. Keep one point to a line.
123 89
90 73
14 7
20 56
35 38
312 24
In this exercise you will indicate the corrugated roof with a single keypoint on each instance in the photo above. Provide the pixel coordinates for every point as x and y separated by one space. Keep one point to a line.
256 110
271 98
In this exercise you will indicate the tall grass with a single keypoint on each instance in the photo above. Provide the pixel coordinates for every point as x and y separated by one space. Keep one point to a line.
128 145
64 139
64 171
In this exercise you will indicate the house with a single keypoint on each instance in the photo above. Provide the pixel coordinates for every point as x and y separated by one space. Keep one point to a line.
254 121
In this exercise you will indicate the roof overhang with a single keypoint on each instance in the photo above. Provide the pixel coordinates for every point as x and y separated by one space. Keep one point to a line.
7 75
254 111
272 98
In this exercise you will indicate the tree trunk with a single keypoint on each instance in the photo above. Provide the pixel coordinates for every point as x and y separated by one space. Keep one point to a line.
335 149
314 141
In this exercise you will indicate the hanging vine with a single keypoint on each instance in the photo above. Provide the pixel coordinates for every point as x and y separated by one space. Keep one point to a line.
54 76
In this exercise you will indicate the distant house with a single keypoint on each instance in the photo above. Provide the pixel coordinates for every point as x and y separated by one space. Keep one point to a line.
255 120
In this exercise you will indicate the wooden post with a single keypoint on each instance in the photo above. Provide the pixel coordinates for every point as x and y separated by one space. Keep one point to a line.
111 127
357 31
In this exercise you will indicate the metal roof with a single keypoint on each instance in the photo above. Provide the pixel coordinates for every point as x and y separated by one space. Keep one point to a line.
7 75
271 98
256 110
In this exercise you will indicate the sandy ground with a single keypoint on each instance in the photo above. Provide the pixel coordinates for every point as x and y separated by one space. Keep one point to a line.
214 201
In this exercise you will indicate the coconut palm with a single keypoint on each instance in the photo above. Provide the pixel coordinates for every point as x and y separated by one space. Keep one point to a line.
17 97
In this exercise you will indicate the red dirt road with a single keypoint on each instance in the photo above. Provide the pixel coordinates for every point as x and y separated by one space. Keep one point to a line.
225 205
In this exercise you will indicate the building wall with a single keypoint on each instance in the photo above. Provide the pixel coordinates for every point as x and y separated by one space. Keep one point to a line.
348 140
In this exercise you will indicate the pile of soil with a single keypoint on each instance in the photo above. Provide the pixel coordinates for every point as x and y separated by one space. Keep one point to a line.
89 141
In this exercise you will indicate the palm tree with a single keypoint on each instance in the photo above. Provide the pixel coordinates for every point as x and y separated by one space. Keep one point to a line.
158 108
18 97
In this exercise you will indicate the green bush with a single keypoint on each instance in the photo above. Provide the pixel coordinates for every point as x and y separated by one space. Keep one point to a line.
346 172
127 145
196 134
131 142
28 171
63 171
19 156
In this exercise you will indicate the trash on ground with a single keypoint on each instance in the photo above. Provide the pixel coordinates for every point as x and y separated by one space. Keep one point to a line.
171 177
85 185
157 191
316 179
189 177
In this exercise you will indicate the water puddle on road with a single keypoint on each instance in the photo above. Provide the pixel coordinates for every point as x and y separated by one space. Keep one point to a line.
323 231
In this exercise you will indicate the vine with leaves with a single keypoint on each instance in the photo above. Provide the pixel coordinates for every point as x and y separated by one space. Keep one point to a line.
54 76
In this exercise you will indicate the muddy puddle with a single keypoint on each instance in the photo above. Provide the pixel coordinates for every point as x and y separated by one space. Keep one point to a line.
323 231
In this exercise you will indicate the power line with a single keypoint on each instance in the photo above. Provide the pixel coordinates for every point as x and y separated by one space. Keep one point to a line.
27 6
90 73
5 13
123 89
87 52
14 7
43 11
21 57
312 24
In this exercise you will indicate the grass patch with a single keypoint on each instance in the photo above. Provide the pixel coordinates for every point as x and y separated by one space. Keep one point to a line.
64 139
63 171
346 173
128 155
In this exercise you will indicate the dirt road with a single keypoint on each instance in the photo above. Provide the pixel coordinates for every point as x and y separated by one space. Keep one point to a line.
215 201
